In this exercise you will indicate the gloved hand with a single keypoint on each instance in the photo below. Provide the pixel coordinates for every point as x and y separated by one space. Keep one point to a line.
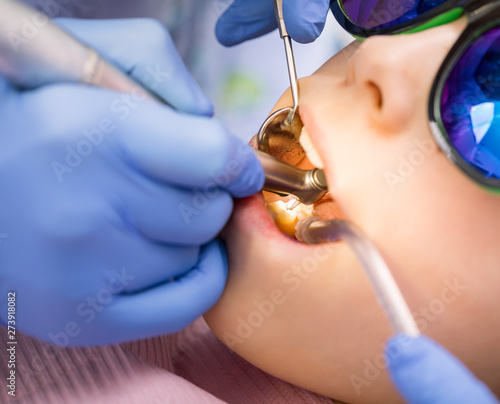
110 204
425 373
247 19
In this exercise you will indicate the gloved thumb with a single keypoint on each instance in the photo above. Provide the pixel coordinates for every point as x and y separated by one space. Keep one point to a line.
305 19
424 372
202 154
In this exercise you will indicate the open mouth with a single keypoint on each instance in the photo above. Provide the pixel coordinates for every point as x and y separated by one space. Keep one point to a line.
282 210
286 211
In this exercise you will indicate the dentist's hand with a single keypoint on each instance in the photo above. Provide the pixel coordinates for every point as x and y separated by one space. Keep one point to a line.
110 204
247 19
425 373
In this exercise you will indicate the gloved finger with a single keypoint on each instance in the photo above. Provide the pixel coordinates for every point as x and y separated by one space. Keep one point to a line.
424 372
143 49
5 88
169 307
151 139
162 144
132 263
190 151
167 214
305 19
245 19
88 228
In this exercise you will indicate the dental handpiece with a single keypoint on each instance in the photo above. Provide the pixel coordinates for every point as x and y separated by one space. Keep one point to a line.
51 55
308 186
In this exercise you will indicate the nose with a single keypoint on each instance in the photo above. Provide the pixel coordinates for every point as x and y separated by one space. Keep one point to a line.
394 74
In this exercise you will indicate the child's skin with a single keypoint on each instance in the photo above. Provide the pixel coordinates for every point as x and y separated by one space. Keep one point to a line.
365 110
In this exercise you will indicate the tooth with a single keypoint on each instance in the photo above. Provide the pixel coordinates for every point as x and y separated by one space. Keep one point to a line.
311 152
286 218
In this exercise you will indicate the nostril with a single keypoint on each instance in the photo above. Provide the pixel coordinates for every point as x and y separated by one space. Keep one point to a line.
376 94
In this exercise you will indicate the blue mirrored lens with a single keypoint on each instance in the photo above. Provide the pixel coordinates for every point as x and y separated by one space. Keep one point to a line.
470 105
377 14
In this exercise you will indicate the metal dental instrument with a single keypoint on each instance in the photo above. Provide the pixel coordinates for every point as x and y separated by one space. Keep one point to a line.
279 150
308 186
280 142
292 74
312 230
51 55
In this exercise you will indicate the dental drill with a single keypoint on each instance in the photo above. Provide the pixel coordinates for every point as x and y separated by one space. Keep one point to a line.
308 186
52 55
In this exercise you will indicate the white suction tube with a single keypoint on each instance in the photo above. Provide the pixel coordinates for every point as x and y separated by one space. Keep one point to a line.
312 230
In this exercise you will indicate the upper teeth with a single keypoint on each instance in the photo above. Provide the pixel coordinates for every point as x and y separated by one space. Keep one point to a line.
311 152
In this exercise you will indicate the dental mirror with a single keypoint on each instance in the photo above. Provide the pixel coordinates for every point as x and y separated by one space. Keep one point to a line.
281 140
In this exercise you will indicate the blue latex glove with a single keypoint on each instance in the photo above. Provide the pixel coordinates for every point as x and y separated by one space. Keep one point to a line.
110 204
247 19
425 373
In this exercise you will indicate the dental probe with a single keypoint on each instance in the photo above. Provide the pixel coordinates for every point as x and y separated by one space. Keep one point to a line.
51 55
290 60
312 230
308 186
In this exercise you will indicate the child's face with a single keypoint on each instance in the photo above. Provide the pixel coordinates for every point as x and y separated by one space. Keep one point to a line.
307 314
